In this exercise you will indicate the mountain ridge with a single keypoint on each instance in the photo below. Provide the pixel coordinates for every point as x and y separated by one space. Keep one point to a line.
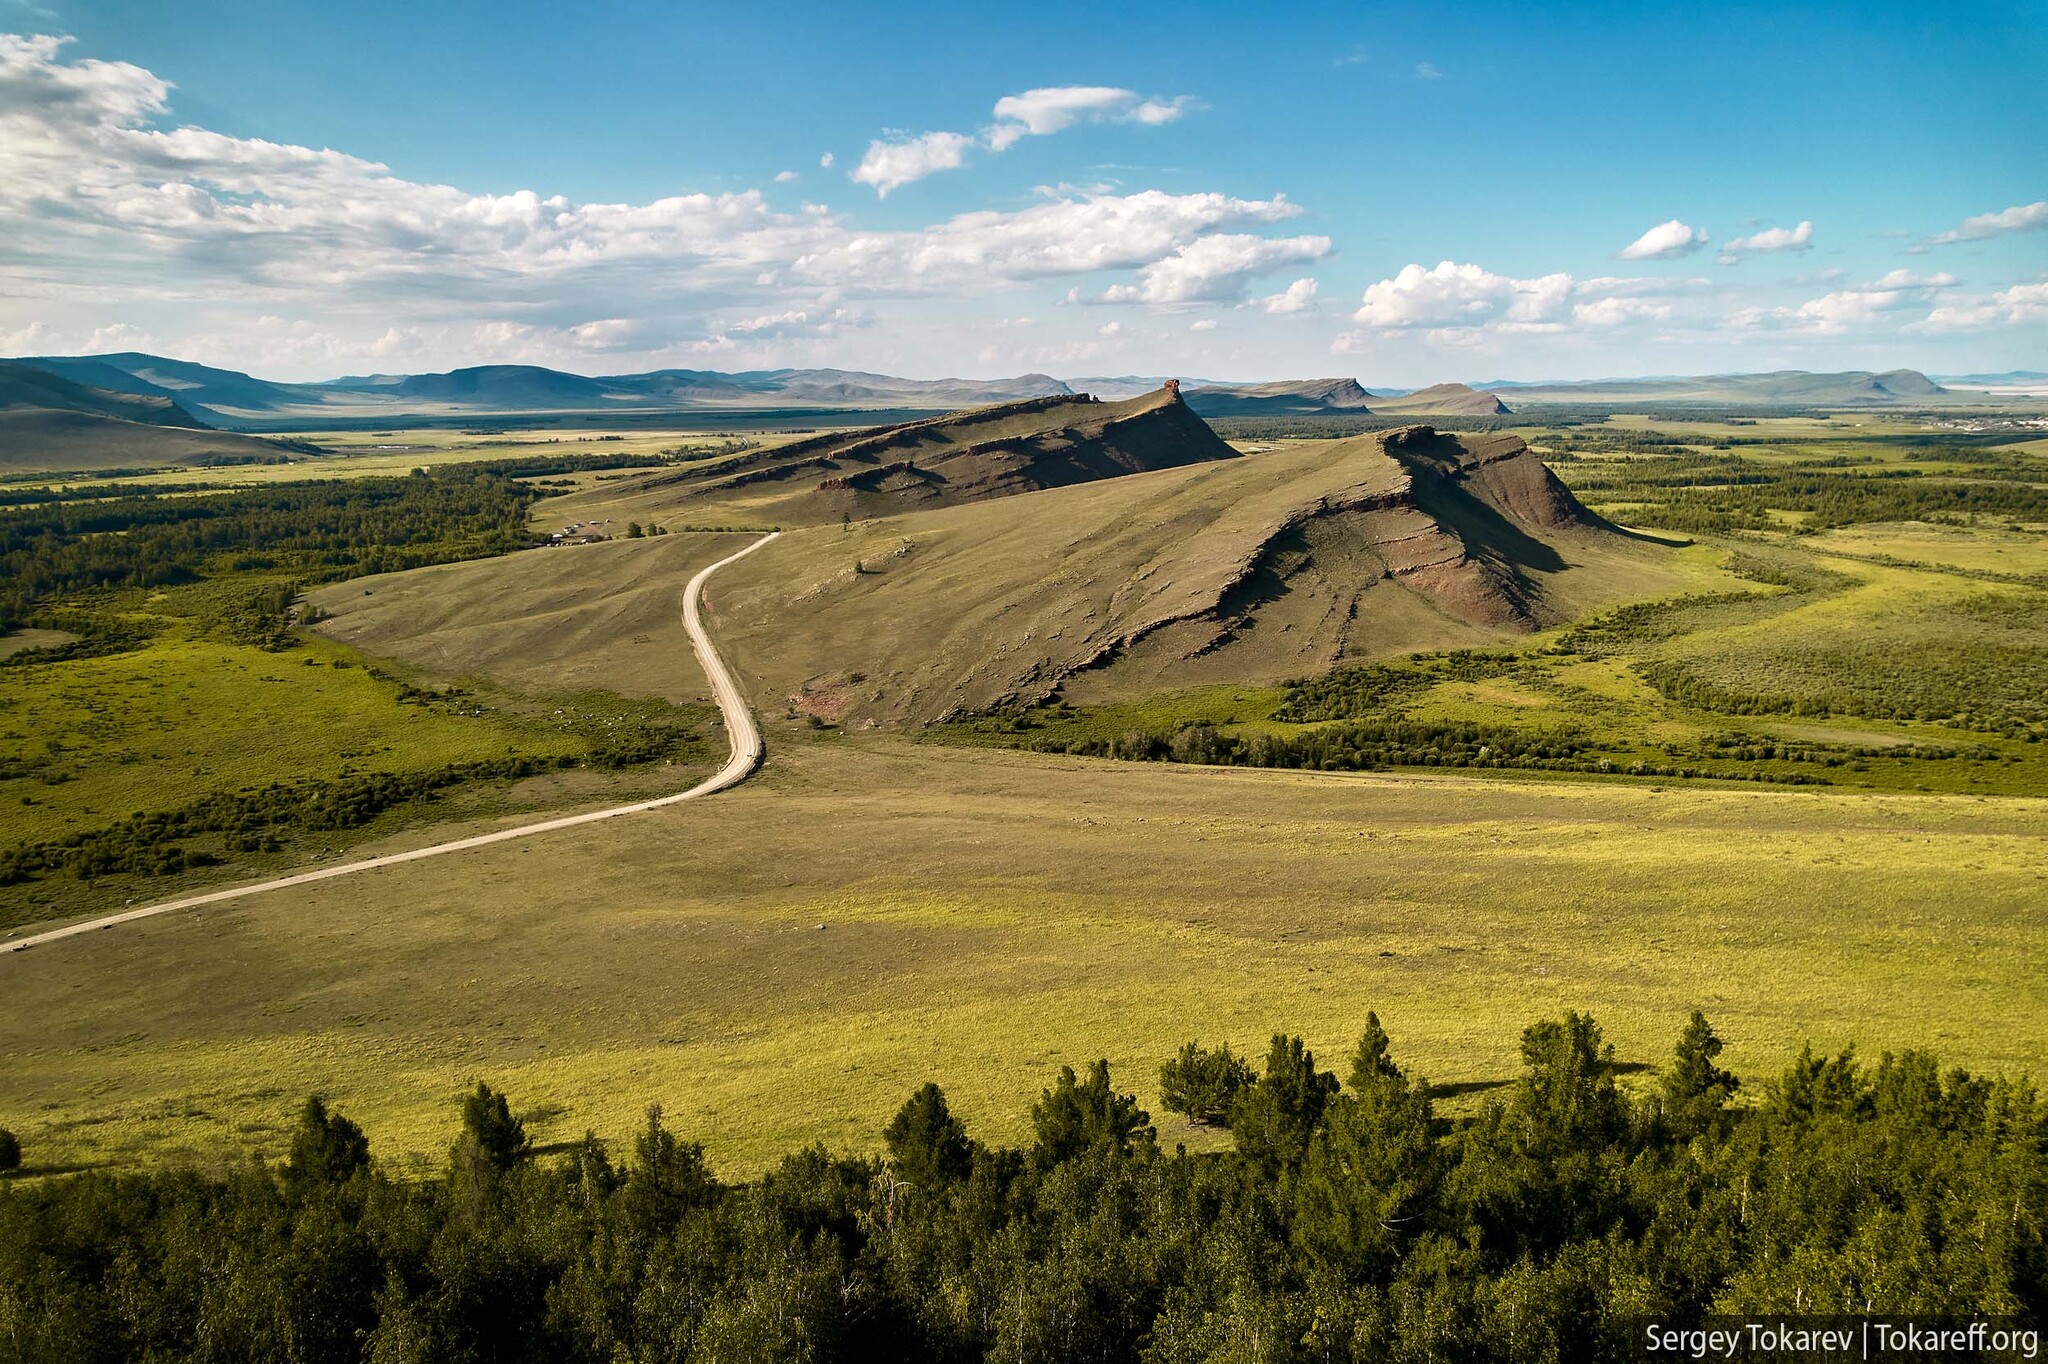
234 400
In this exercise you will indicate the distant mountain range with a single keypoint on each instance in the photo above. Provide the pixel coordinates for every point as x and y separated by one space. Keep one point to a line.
1780 388
157 390
232 399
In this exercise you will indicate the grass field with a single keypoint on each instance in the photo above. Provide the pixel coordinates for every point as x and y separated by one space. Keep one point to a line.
785 963
89 743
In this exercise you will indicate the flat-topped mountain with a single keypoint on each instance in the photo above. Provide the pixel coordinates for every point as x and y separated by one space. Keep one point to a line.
1340 397
969 456
1291 397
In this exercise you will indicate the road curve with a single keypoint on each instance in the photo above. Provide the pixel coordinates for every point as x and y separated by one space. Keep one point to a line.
747 752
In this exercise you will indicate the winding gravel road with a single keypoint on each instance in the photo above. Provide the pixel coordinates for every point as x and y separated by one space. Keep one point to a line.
747 752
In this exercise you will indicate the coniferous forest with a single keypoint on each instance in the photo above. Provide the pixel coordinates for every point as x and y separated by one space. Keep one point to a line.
1350 1221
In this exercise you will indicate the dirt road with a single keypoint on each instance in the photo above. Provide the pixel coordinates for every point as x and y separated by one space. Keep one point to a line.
739 726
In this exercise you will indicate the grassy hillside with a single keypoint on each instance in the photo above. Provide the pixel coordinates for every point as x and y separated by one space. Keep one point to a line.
38 440
1800 666
27 386
1249 569
967 456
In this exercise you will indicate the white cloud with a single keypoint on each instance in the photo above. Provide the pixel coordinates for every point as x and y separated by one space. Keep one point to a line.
613 334
2019 306
1051 109
2019 218
1216 268
1769 240
1110 329
1205 324
1293 299
1881 302
892 165
1458 296
1665 241
825 161
784 177
1066 237
1619 312
1428 71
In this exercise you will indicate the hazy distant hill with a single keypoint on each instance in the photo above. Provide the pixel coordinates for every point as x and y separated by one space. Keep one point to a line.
29 386
1439 400
2011 376
1780 388
235 399
1286 398
1323 397
193 386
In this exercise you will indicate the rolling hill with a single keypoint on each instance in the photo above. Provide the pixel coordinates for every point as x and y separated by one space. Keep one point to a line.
234 399
27 386
969 456
1439 400
40 440
1247 569
1340 397
1780 388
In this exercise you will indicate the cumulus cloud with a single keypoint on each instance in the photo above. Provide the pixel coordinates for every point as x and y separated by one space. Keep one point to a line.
1883 301
1216 268
2019 306
1665 241
1769 240
892 165
1070 236
101 206
1453 295
1206 324
1038 113
784 177
2019 218
1458 302
1293 299
825 161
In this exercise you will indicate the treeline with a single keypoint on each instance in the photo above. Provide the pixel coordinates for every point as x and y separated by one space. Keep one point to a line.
1348 1221
268 819
316 532
1395 741
1706 494
160 843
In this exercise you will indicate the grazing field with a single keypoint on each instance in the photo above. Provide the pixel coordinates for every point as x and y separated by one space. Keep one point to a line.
1800 787
785 963
166 723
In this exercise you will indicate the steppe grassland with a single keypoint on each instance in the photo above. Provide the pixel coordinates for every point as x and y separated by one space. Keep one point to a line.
989 916
784 964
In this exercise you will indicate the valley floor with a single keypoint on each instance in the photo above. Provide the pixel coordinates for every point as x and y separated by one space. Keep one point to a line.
784 963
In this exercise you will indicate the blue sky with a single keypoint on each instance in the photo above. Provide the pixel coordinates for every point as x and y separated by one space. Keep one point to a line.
1407 194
